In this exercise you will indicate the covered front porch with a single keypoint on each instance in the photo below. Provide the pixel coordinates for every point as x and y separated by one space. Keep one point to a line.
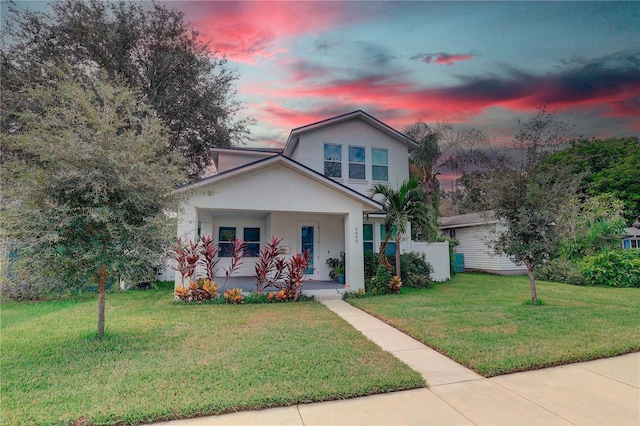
323 235
279 197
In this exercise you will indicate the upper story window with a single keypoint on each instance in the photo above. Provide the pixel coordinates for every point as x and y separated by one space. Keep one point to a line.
333 160
357 162
379 164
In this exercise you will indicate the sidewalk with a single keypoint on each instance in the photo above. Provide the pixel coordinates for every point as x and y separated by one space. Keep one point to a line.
602 392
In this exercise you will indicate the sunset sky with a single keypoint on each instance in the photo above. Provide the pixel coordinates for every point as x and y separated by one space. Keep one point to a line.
478 64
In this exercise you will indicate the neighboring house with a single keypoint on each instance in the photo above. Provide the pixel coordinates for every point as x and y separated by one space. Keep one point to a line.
313 193
631 237
472 232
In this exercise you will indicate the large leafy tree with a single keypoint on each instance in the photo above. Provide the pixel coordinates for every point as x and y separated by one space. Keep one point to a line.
441 149
607 166
401 206
526 195
590 226
87 182
144 45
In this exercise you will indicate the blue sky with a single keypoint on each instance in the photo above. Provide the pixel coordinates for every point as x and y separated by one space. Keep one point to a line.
478 64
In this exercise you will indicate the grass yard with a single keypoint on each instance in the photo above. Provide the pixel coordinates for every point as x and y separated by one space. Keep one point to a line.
483 321
163 361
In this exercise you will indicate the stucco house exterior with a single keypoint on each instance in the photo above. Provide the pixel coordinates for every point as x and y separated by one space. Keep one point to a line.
472 232
313 193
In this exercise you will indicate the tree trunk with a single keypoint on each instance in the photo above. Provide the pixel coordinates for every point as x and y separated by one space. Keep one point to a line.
398 258
101 296
382 255
532 282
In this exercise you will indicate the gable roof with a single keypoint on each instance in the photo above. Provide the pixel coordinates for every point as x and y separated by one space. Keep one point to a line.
287 162
295 134
469 219
631 232
249 151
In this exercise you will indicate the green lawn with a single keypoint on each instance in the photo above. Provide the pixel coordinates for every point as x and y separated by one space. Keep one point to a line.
483 321
162 360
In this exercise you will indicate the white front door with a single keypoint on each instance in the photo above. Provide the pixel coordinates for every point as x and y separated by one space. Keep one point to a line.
309 239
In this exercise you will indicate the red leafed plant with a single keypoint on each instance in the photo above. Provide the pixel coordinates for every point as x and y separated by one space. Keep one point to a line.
238 248
208 253
295 270
185 255
269 266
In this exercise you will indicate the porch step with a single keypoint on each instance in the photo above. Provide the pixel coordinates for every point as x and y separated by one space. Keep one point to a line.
323 295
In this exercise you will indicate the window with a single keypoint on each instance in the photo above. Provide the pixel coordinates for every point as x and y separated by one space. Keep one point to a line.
391 245
367 236
252 238
356 162
333 160
380 164
226 236
452 233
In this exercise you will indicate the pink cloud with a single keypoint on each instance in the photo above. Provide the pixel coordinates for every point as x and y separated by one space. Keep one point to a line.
246 31
610 93
442 58
446 59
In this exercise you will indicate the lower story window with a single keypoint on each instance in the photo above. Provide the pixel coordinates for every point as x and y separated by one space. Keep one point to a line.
226 237
252 238
367 236
391 245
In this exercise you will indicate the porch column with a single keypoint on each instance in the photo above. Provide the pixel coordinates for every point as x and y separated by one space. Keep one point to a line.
187 230
353 250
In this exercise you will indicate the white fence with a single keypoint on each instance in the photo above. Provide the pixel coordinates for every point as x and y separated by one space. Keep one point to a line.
437 254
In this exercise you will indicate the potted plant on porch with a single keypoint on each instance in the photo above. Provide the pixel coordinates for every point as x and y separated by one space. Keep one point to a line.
337 268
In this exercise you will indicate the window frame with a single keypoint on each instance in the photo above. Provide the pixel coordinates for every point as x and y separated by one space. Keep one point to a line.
331 161
252 246
225 246
368 241
362 164
391 242
379 166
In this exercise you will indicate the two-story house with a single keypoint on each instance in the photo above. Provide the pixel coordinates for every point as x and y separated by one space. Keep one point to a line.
314 193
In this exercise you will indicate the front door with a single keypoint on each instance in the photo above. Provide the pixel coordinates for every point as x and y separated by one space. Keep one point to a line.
308 241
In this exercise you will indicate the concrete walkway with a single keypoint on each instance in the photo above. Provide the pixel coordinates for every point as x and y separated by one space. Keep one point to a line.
602 392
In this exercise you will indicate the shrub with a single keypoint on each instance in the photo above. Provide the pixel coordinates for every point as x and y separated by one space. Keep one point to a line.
198 291
294 272
370 265
418 280
234 296
562 271
380 283
395 284
20 287
415 270
616 268
269 266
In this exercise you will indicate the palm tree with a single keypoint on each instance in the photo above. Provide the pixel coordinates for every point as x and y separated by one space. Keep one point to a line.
440 149
401 206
